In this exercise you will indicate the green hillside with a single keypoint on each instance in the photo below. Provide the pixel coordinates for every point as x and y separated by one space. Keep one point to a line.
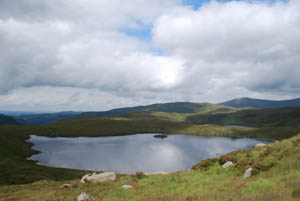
261 103
207 119
252 117
7 120
15 169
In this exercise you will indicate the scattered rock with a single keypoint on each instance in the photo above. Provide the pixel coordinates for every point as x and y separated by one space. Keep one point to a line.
84 178
160 136
260 145
84 196
67 186
227 164
106 176
248 173
127 186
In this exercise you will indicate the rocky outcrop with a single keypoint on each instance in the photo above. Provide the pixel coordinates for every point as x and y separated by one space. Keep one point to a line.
227 164
84 196
248 173
161 136
94 178
260 145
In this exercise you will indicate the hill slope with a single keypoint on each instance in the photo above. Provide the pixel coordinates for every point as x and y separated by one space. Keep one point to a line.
177 107
7 120
40 119
260 103
174 110
252 117
113 112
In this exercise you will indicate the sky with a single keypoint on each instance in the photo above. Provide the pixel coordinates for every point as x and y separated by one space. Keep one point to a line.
101 54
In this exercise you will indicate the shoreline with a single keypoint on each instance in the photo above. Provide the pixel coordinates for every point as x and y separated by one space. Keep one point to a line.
149 173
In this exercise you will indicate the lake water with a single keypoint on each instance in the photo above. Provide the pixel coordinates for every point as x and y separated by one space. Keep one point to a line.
133 153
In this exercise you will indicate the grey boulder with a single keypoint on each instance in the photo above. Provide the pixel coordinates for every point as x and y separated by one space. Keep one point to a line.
94 178
248 173
127 186
227 164
84 196
260 145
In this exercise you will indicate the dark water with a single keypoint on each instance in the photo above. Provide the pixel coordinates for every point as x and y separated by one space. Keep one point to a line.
129 154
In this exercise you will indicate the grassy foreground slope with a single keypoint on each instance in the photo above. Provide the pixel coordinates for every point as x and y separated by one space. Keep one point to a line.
276 177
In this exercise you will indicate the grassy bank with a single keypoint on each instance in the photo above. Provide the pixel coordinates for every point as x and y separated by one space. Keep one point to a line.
276 177
147 123
15 169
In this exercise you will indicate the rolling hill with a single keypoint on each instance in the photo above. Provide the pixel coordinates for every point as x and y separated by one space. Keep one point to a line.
113 112
180 108
174 110
7 120
40 119
260 103
287 116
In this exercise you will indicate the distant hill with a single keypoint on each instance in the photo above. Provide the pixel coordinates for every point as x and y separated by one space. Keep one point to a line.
113 112
39 119
260 103
269 117
7 120
174 110
19 113
176 107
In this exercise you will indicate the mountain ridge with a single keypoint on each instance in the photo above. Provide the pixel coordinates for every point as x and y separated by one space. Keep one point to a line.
171 107
261 103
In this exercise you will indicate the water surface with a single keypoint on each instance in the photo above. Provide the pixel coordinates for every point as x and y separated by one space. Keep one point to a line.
133 153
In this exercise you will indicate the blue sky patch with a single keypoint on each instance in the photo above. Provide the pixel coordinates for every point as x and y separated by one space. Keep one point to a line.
144 31
197 3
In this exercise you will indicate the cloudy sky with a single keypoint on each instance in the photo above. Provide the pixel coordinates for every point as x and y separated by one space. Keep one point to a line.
101 54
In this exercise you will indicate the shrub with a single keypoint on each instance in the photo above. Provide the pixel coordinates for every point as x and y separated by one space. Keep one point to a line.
205 164
228 157
296 193
139 175
258 167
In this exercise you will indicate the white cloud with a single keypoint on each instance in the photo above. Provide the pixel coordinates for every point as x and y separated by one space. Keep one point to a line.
73 54
254 46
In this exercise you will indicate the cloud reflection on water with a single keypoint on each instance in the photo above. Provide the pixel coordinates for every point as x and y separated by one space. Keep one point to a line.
129 154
